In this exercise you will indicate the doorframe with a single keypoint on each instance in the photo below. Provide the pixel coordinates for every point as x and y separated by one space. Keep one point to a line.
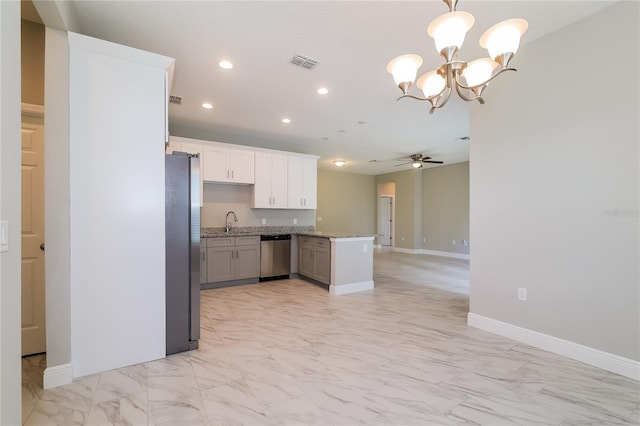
392 228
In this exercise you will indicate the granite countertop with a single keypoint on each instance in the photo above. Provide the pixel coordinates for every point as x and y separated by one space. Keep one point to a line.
250 231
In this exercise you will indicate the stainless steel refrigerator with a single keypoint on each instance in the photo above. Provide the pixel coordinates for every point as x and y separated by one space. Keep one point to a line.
182 223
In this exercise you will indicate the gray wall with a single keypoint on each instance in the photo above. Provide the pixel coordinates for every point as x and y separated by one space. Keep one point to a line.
220 198
346 202
32 63
445 211
10 397
554 192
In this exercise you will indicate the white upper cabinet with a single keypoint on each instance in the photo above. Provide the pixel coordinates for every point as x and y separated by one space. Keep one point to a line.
270 189
303 181
228 165
190 147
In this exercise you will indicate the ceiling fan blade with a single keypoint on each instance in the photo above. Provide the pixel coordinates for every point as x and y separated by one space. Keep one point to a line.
402 164
433 161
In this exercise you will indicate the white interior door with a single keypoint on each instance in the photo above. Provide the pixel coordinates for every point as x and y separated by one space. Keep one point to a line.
33 297
384 227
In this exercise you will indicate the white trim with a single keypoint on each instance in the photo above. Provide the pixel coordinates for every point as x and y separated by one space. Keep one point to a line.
57 376
444 254
32 109
607 361
404 250
337 290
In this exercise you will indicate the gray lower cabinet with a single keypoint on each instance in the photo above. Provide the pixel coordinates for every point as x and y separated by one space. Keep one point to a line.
232 258
314 258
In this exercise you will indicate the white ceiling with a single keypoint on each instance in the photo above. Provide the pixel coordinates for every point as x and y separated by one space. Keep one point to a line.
352 40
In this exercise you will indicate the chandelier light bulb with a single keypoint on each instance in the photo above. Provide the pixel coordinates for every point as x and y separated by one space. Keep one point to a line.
431 84
449 30
404 68
479 71
504 37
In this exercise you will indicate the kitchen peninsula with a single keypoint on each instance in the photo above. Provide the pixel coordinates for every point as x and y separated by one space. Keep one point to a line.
341 262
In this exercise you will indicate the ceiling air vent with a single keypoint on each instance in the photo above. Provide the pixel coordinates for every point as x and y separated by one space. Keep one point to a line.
304 61
175 100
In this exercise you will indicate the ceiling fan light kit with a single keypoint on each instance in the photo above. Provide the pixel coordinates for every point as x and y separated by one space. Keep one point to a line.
468 79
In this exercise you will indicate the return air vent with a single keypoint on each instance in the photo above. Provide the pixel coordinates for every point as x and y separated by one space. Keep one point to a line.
304 61
175 100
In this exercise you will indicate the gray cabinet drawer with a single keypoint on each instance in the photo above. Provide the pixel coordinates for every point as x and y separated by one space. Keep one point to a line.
221 242
248 241
315 241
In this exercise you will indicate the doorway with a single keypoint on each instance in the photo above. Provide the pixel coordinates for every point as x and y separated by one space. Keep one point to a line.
385 224
32 218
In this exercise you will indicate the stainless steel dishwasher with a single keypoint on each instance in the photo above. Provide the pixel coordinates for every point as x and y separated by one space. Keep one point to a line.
275 256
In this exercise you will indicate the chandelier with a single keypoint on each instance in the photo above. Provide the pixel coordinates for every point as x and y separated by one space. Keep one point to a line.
469 79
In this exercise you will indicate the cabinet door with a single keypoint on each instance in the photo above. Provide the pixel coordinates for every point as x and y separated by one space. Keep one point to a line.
247 262
203 262
241 166
305 261
193 148
262 198
217 167
322 265
279 181
172 146
309 183
220 264
294 187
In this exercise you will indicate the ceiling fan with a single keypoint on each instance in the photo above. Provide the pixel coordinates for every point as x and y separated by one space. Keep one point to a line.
416 160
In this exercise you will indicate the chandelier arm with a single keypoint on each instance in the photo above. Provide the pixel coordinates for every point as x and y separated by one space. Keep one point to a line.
413 97
465 97
481 84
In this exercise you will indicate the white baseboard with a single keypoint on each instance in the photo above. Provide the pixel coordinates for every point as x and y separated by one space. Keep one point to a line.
610 362
337 290
57 376
445 254
432 252
404 250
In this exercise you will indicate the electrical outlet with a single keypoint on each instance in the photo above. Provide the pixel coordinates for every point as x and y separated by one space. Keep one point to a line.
264 221
319 218
465 242
402 239
522 294
424 240
295 220
453 242
4 236
364 248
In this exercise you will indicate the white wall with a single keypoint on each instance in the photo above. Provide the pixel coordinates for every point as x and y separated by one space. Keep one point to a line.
117 235
10 371
57 219
554 187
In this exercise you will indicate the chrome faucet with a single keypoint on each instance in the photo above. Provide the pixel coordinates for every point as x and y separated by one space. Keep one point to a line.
228 224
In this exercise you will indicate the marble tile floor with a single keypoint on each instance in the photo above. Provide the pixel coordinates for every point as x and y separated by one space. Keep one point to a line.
286 353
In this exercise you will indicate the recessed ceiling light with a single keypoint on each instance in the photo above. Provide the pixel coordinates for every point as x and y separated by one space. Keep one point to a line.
339 163
226 65
323 91
207 105
362 122
286 120
325 139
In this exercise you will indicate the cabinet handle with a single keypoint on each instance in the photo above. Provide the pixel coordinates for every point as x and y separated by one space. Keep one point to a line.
227 174
232 175
305 202
203 256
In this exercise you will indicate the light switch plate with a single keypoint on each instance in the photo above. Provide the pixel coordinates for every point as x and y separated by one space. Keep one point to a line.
4 235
